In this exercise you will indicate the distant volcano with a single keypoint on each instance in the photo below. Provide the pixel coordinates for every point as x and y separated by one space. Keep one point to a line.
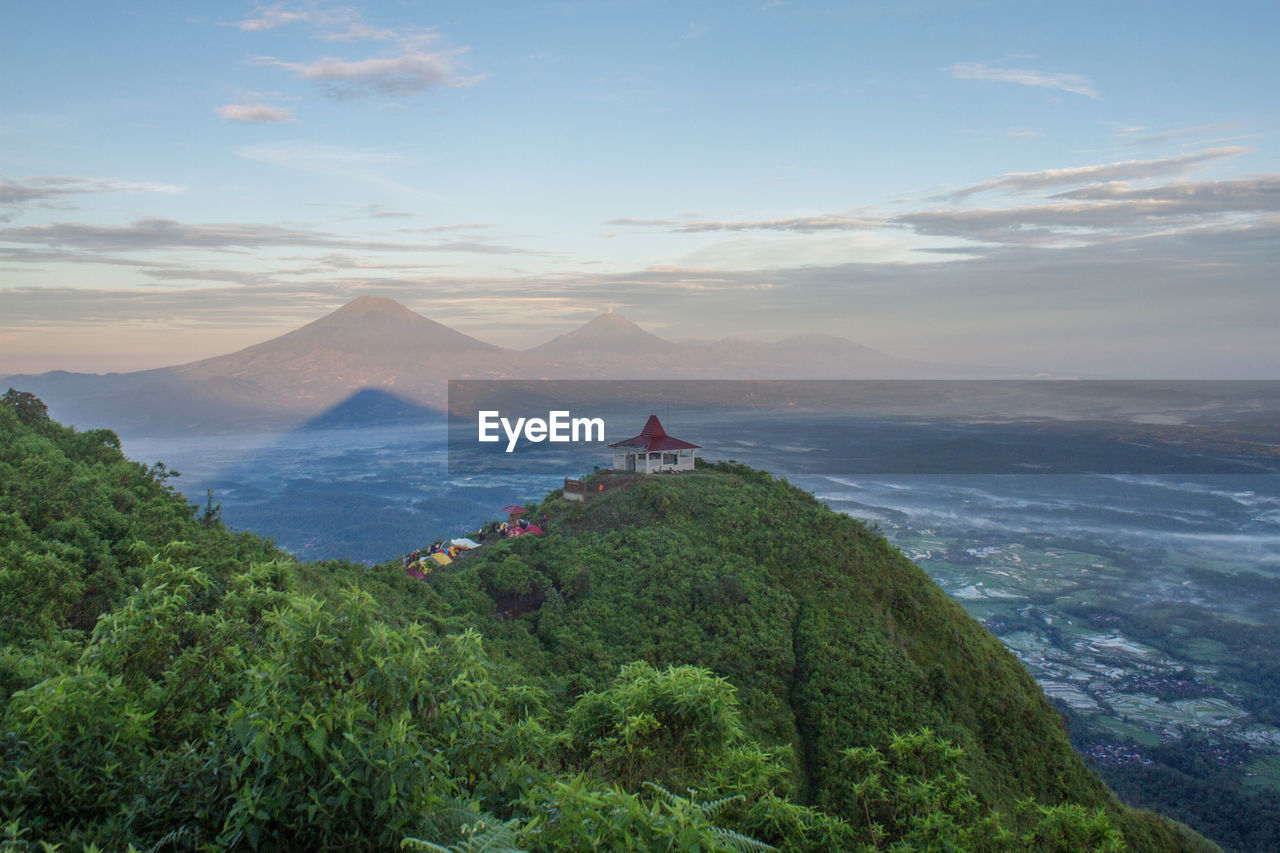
607 334
370 342
370 326
612 347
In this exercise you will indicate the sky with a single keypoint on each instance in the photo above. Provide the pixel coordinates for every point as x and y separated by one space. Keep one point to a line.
1082 189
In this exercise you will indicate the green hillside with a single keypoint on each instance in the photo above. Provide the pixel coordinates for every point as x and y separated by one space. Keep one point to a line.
712 661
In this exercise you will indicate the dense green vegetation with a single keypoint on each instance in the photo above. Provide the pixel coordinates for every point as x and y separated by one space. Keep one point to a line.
705 662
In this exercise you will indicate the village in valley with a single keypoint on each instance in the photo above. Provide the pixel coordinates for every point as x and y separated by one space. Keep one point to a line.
1075 622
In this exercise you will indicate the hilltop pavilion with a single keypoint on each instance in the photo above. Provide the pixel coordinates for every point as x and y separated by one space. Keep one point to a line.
653 451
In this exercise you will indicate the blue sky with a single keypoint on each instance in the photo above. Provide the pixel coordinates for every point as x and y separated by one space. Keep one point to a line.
1082 189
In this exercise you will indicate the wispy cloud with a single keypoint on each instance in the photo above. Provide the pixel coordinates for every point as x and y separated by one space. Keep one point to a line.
146 234
176 273
419 63
153 234
801 224
441 229
341 261
337 23
1125 170
378 210
631 222
1075 83
264 18
263 113
1179 134
1106 212
1258 193
381 211
46 188
306 156
416 69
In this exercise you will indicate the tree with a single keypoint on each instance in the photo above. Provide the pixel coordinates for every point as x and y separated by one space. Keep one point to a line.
29 408
212 515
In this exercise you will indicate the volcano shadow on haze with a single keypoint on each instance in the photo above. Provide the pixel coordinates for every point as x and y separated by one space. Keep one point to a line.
364 480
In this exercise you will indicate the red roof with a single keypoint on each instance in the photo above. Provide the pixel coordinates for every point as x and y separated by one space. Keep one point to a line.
653 437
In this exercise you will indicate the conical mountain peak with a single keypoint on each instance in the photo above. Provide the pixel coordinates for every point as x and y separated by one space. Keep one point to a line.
611 319
369 342
609 333
362 305
372 324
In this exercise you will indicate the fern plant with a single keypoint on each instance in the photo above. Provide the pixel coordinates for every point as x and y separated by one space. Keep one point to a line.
710 810
475 831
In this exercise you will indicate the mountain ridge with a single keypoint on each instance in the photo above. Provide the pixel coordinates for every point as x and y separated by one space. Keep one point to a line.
376 342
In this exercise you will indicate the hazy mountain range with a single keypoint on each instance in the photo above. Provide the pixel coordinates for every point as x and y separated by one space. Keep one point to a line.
377 343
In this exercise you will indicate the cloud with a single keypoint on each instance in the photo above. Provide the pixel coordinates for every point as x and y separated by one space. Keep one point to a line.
437 229
801 224
265 18
1124 170
416 69
152 234
359 31
1050 224
822 223
642 223
1199 131
290 266
146 234
187 274
369 165
317 157
33 256
340 22
49 188
1074 83
338 261
381 211
1259 193
1099 213
1107 211
254 113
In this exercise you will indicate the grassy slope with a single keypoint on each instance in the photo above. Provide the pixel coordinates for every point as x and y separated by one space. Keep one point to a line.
833 638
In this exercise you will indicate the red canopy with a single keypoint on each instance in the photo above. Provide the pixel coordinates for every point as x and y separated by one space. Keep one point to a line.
514 509
653 437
